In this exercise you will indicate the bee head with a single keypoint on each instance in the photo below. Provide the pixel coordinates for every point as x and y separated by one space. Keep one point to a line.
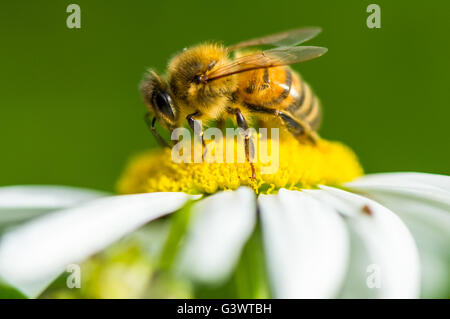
156 94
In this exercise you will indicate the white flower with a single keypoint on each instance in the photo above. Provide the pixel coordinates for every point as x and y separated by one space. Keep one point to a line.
386 236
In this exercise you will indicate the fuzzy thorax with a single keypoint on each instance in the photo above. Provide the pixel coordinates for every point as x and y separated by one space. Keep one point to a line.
211 98
299 166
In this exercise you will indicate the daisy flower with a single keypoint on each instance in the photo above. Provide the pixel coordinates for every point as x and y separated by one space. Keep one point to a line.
327 230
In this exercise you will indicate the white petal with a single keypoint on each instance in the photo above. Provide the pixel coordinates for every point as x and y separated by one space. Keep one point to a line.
433 187
306 245
413 195
436 180
388 242
433 244
18 203
43 247
221 225
423 202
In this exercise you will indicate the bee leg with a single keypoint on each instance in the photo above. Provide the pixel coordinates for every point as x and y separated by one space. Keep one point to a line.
295 126
221 124
192 124
151 125
298 128
242 124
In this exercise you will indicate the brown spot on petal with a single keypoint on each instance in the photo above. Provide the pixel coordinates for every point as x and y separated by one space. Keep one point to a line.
367 210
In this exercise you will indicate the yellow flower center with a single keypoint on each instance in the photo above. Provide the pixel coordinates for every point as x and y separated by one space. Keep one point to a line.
296 166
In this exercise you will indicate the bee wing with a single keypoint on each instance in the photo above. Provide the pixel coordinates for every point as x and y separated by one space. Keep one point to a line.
267 59
282 39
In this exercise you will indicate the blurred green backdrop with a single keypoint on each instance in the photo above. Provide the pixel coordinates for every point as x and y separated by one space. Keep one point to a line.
71 113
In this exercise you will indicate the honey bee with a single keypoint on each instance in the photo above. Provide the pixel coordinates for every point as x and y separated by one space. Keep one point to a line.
214 82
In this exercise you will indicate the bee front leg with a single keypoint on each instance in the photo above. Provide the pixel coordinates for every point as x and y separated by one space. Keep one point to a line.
221 125
242 124
151 125
192 124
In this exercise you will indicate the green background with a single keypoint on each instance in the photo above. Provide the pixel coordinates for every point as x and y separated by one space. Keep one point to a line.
71 113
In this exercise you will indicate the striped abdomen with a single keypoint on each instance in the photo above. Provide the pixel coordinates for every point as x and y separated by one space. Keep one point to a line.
280 88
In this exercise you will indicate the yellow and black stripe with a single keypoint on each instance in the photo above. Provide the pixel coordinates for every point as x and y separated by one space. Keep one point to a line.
280 89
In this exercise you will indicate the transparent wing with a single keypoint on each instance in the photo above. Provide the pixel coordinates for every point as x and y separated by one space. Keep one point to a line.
282 39
267 59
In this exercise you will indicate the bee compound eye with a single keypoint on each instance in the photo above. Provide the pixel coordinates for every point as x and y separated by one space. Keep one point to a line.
163 102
